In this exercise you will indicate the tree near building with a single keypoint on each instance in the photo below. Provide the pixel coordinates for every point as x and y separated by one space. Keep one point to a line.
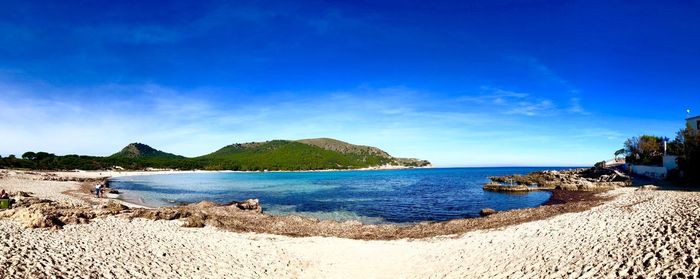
688 141
645 150
619 153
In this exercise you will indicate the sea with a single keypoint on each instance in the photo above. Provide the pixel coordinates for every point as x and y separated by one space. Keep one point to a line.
369 196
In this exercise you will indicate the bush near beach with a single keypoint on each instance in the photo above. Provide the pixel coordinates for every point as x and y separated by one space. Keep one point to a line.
649 150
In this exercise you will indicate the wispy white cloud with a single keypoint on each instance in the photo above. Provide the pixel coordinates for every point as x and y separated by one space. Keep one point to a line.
511 102
548 75
481 129
520 103
490 95
543 107
600 133
576 107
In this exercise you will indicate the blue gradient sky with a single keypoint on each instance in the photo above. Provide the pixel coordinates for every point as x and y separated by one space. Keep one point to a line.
467 83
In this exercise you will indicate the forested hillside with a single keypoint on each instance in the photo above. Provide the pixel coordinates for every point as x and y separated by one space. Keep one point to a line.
312 154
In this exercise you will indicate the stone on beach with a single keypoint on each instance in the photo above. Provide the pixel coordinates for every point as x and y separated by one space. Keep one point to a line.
487 211
249 204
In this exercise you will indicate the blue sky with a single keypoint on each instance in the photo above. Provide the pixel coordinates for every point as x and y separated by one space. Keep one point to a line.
464 83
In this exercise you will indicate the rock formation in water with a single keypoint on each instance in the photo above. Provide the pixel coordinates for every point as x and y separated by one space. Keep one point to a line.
576 179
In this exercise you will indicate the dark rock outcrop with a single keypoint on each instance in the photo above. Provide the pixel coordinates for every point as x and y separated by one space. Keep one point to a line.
576 179
487 211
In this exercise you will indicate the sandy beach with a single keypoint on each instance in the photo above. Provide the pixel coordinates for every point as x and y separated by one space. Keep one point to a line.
648 233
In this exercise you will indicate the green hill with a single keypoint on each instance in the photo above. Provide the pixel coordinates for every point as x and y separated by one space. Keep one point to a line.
346 148
286 155
139 156
309 154
140 150
364 151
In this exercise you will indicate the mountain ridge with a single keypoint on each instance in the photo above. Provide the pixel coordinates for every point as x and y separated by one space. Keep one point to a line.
344 147
136 150
306 154
273 155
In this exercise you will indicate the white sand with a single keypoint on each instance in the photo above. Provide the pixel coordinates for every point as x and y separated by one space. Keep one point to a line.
640 233
42 189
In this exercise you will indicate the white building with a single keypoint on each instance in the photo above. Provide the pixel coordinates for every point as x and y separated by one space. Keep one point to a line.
694 122
669 161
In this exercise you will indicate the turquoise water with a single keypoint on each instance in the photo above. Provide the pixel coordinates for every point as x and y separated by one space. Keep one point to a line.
387 196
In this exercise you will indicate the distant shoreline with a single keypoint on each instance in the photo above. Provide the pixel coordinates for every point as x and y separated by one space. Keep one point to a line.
116 173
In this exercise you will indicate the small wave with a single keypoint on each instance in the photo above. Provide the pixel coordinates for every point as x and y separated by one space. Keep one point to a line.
339 215
345 200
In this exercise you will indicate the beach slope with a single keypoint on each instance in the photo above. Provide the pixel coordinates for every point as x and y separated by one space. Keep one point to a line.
636 233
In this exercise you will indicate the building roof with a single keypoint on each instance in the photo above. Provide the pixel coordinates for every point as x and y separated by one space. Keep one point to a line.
694 117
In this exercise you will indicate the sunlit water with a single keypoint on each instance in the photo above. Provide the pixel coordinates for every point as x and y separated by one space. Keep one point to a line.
387 196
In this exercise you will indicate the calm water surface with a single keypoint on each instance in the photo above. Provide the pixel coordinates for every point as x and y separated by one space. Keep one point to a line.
387 196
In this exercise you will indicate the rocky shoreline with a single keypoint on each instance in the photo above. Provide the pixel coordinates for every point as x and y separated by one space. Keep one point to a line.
248 216
591 179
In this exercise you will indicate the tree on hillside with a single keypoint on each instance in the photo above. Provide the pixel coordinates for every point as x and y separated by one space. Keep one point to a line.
29 155
10 161
43 155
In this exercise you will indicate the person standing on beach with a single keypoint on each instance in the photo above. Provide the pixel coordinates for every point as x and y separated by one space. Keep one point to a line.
98 190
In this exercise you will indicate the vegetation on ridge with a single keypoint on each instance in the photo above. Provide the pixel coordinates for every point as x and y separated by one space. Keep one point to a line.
270 155
346 148
368 152
134 150
285 155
